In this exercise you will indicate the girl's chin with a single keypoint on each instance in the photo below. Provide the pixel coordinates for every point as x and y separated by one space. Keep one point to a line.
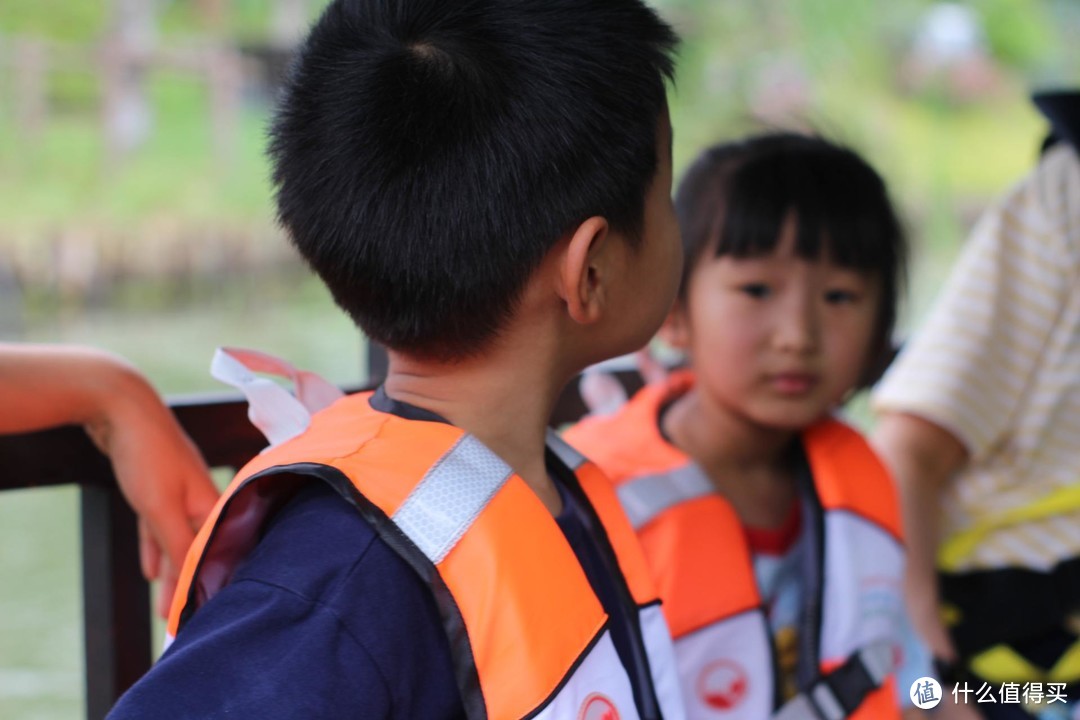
791 419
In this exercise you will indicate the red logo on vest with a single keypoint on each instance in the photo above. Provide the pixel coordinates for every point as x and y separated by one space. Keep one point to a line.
723 684
598 707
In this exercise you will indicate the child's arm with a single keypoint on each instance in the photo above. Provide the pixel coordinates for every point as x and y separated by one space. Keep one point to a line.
922 457
158 469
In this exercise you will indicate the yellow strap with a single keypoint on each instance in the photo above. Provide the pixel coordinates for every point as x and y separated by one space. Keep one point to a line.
1067 668
1001 664
961 545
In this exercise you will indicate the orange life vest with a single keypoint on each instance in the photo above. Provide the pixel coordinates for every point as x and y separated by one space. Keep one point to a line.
528 636
700 559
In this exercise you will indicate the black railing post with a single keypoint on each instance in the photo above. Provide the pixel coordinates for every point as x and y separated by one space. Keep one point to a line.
116 599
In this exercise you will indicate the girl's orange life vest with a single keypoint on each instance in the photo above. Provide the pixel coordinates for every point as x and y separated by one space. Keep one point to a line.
700 559
528 636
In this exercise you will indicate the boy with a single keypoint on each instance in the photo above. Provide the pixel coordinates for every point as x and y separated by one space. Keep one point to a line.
485 189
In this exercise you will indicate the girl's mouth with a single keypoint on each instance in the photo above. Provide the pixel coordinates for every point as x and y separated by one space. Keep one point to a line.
793 383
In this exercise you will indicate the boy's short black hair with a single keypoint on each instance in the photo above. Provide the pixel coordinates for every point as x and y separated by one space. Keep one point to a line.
734 198
428 153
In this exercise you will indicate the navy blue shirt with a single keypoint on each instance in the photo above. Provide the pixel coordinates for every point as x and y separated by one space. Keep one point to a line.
324 620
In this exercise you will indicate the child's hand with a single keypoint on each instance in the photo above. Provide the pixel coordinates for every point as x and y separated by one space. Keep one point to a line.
159 471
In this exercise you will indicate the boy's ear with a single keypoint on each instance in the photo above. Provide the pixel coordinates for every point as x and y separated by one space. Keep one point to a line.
583 271
676 328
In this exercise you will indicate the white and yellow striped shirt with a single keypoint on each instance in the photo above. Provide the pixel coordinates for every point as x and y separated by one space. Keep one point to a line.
997 363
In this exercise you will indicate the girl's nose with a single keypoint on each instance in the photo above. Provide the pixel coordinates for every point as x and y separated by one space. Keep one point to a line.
797 328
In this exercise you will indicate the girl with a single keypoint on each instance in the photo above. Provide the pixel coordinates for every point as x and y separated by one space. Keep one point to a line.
771 527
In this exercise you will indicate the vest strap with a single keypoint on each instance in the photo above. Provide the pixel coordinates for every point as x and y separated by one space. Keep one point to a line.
271 408
841 692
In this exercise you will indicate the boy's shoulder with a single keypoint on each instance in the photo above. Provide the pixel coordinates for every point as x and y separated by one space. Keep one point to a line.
312 545
318 548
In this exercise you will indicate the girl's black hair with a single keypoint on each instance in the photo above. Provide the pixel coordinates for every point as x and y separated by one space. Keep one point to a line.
734 198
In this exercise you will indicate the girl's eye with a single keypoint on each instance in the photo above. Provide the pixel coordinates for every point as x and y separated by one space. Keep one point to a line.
840 297
755 290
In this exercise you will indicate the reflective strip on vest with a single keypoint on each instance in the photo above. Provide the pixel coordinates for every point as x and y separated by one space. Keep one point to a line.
451 496
646 497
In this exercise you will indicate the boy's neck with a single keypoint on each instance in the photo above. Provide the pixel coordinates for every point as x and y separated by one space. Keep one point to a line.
505 403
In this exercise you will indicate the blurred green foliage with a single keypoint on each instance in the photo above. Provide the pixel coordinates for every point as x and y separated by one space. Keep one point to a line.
86 20
841 67
54 19
60 175
1019 31
844 55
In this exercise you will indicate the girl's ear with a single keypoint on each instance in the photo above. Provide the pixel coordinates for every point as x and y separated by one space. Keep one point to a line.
676 328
